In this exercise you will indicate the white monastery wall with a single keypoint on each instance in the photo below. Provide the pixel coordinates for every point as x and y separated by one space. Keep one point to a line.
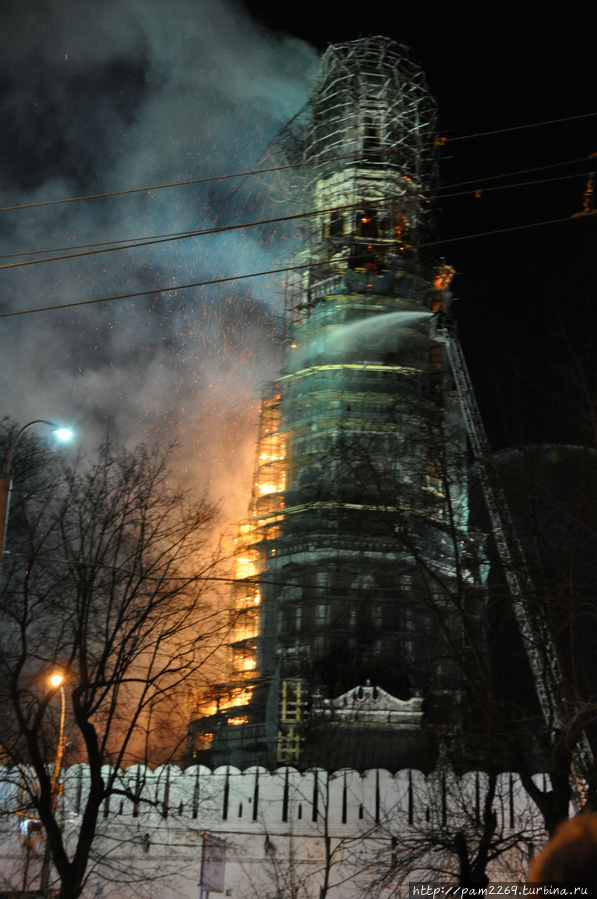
284 832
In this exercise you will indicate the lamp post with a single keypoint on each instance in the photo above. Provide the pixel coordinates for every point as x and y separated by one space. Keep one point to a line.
57 682
6 480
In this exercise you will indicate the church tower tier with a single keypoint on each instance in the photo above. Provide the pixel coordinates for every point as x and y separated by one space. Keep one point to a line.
357 573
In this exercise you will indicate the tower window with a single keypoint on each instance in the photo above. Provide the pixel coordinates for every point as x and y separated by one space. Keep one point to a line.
371 143
336 224
322 613
320 645
366 223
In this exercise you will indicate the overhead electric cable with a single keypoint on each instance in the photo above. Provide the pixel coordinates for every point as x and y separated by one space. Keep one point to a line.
497 187
158 290
509 229
133 243
277 271
183 235
510 128
440 141
539 168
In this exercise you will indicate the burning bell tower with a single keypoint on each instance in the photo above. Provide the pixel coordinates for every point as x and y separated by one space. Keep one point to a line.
356 572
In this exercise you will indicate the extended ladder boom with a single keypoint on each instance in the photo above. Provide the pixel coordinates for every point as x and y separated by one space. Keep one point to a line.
538 644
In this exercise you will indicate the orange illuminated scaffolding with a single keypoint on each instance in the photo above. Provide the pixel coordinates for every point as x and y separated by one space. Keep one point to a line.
262 526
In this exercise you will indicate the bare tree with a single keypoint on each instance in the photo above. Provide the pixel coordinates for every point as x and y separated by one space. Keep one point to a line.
106 583
551 492
320 862
454 830
455 645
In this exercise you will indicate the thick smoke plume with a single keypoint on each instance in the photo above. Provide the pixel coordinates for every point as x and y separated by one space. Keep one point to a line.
108 96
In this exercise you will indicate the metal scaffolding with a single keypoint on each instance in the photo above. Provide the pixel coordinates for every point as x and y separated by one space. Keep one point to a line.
358 519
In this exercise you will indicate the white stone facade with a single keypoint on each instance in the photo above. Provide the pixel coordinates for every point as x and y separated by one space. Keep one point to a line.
286 833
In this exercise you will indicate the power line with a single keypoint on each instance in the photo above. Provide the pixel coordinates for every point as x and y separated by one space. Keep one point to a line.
477 192
539 168
511 128
183 235
133 243
511 228
309 265
440 141
150 241
155 291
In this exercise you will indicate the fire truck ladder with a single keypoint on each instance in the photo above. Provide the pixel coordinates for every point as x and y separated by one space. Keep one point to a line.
536 637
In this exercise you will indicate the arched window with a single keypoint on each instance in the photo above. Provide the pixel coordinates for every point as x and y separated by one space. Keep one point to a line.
371 141
366 223
336 224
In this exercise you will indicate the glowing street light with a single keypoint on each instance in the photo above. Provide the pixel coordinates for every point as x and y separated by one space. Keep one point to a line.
56 681
62 434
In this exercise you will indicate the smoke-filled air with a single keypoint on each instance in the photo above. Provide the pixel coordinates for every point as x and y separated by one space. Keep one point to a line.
100 97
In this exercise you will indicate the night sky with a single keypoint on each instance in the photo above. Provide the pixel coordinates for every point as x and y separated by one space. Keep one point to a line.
526 308
101 97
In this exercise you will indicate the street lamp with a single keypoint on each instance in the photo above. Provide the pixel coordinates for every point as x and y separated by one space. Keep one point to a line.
62 434
56 681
